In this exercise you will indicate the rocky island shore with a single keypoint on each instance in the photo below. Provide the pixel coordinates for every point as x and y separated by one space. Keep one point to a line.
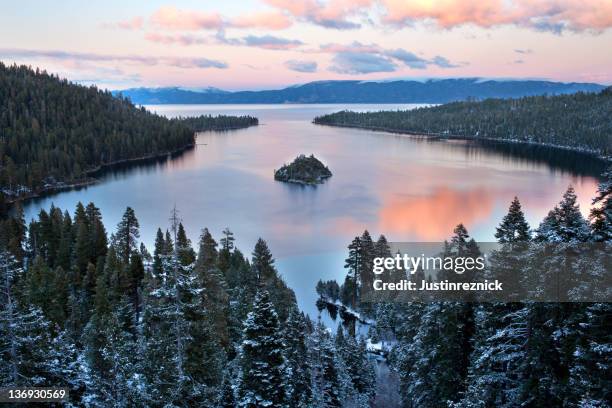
303 170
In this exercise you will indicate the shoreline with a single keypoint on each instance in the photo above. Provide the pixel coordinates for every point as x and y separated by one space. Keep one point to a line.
90 175
439 136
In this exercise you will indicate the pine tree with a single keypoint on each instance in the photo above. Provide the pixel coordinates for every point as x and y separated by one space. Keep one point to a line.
601 213
127 235
263 262
590 371
185 250
354 265
113 380
25 342
514 227
183 359
359 369
327 383
227 242
226 399
565 222
159 251
262 380
98 238
214 296
298 367
64 254
282 297
437 373
367 260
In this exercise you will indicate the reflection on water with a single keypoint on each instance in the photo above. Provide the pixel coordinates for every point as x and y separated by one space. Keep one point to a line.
408 188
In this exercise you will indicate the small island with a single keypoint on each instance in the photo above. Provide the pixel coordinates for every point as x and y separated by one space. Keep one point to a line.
303 170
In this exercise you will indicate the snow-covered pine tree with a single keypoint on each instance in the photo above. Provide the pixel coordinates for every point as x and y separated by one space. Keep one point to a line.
113 379
329 379
360 371
565 222
299 379
601 213
25 334
437 351
281 296
496 363
183 359
590 378
513 227
226 399
262 364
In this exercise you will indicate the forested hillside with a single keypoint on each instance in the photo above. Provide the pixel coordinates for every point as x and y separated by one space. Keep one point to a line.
497 354
52 132
220 122
201 326
581 121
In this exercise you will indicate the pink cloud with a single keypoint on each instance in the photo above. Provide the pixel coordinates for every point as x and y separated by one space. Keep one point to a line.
135 23
545 15
175 39
171 18
331 14
272 20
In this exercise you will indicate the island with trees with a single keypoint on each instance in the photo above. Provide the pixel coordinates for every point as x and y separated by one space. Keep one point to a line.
579 121
303 170
54 134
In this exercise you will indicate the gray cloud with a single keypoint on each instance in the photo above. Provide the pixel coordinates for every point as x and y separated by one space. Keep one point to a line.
301 66
181 62
337 24
523 51
408 58
379 57
443 62
270 42
357 63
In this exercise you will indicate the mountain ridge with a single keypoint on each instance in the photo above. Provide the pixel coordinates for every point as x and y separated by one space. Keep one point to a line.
359 91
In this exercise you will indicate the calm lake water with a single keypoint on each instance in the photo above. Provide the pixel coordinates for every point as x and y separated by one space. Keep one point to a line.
407 188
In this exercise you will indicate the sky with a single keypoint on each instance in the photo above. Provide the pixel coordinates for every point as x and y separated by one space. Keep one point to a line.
268 44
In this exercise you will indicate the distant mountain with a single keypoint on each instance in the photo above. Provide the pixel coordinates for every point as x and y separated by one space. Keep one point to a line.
401 91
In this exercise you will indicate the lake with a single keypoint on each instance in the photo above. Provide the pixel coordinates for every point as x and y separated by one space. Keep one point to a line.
408 188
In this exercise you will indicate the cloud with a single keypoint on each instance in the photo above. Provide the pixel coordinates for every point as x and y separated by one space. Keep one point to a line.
355 46
525 51
554 16
267 42
183 39
135 23
180 62
519 61
544 15
337 14
443 62
408 58
301 66
273 20
270 42
171 18
358 63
